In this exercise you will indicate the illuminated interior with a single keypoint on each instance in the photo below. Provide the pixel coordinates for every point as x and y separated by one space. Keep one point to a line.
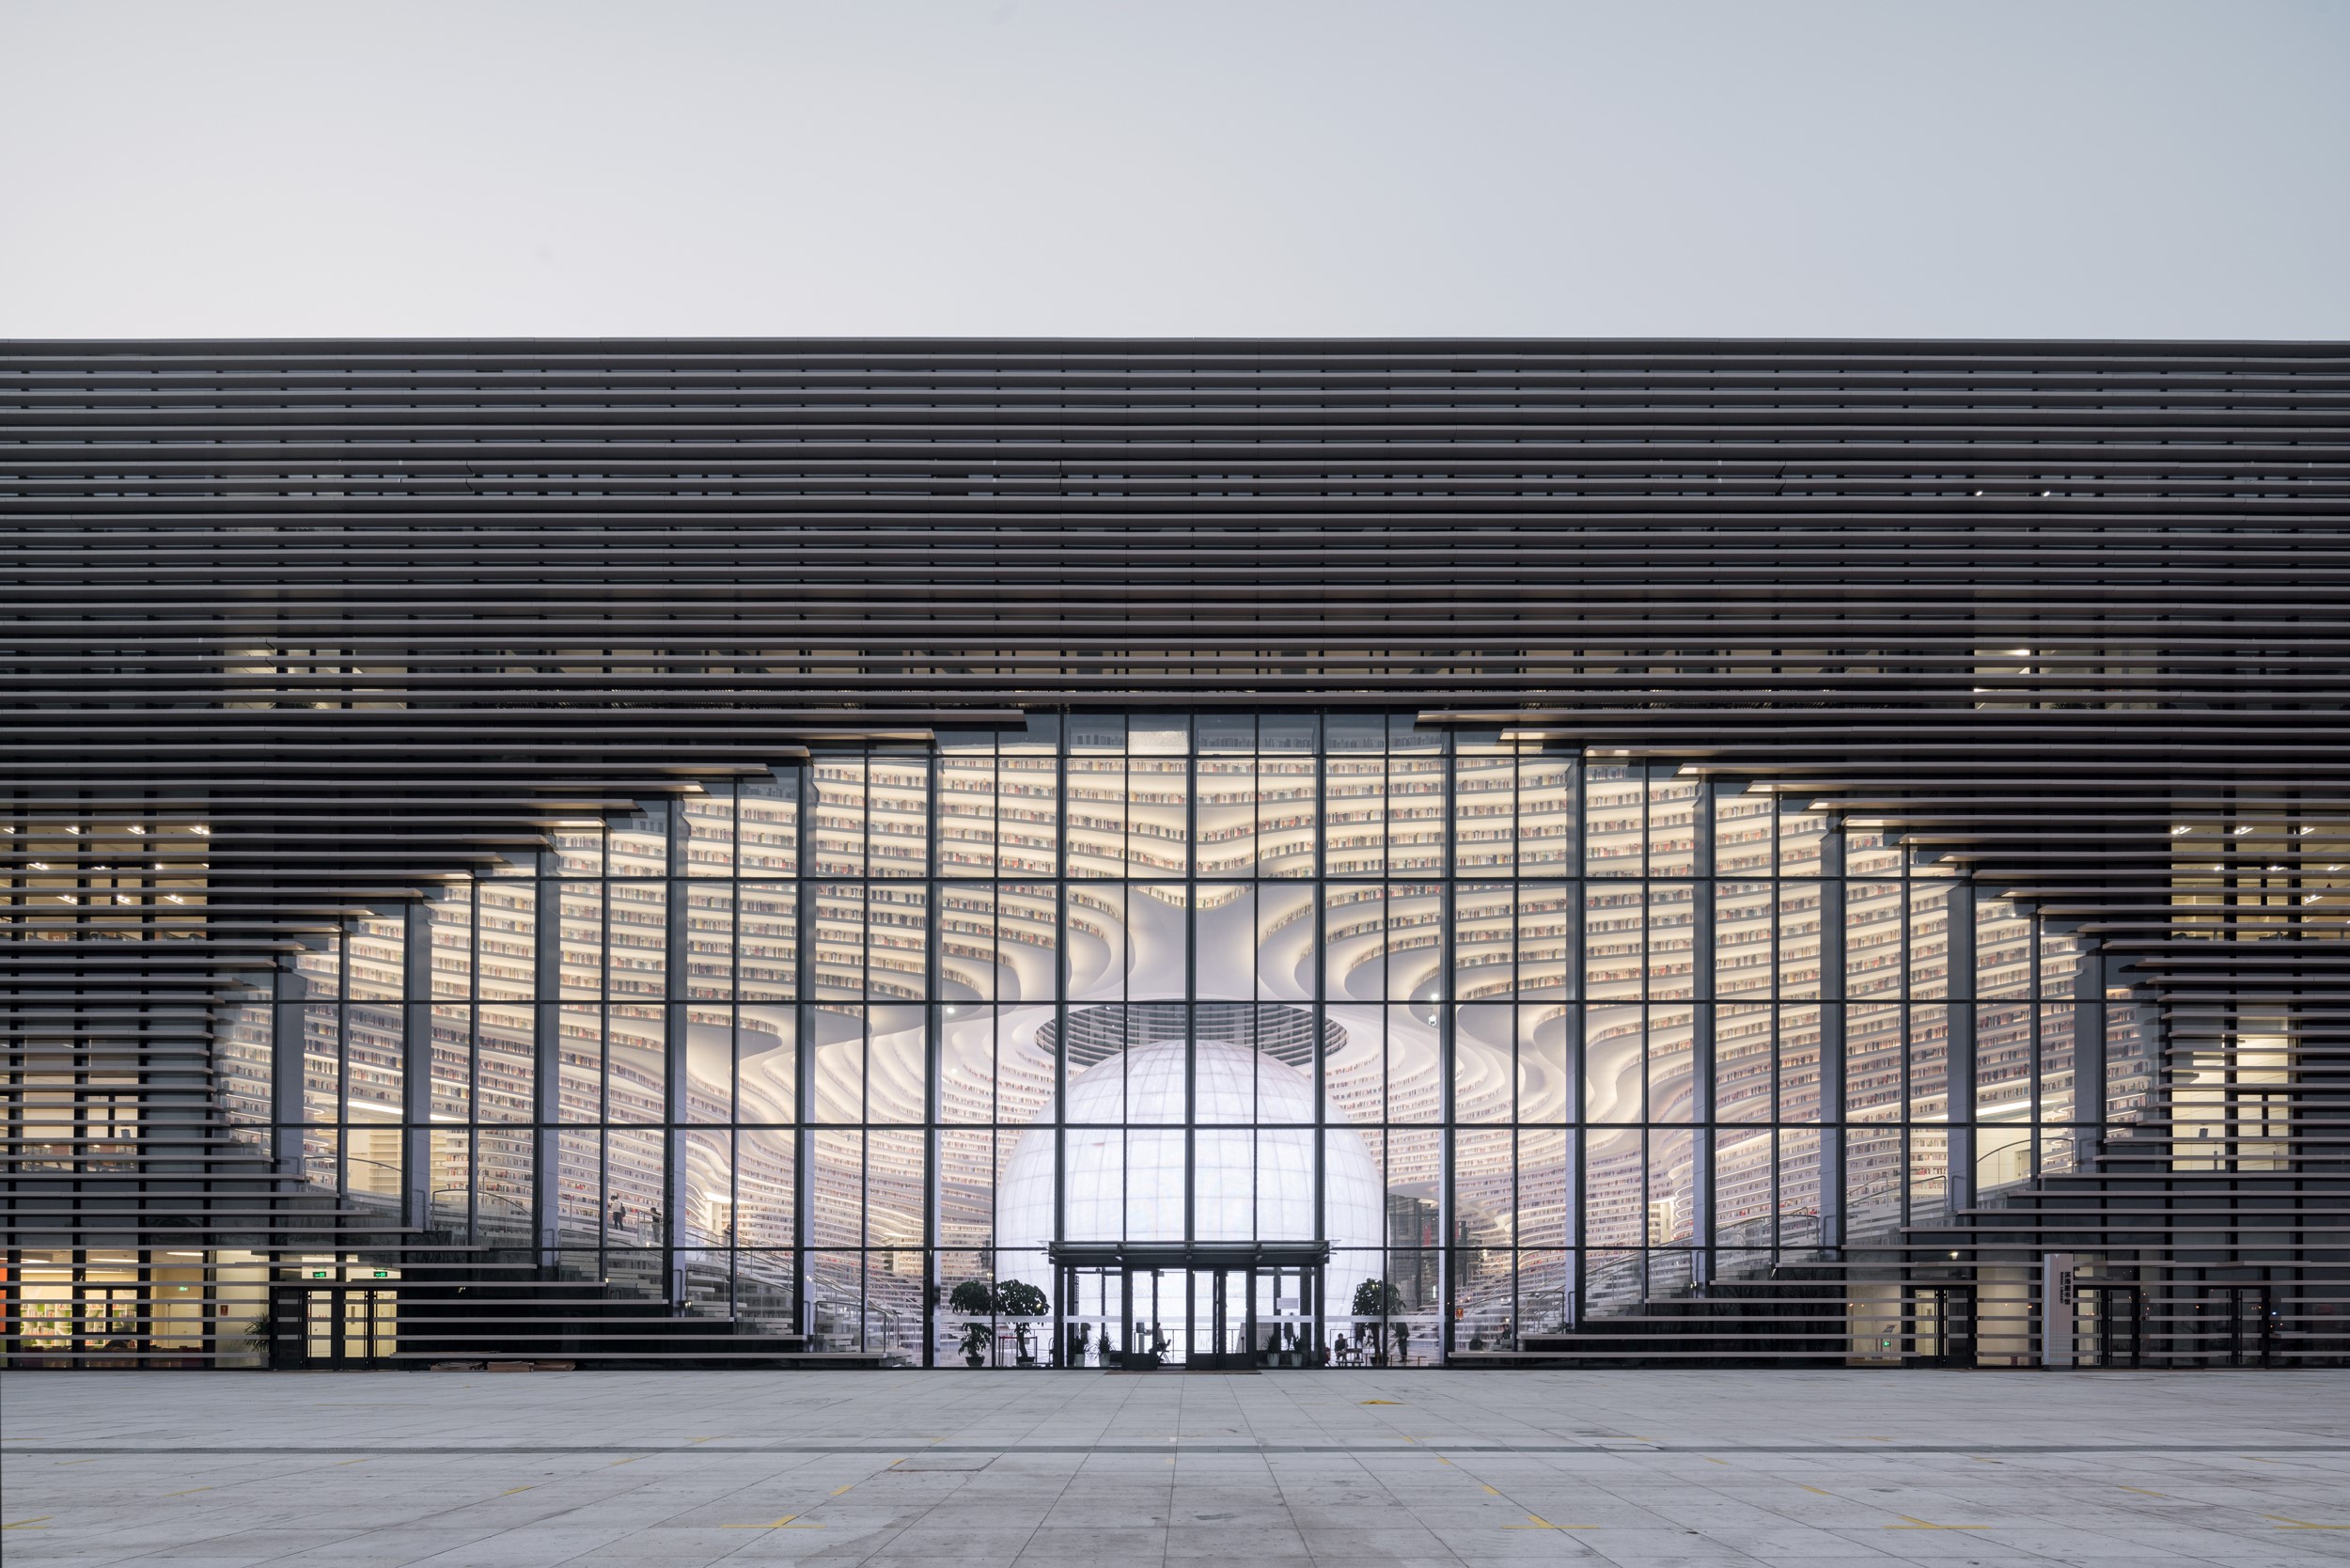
1547 1034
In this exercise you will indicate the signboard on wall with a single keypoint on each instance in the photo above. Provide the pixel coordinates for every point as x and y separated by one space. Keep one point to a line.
2059 1288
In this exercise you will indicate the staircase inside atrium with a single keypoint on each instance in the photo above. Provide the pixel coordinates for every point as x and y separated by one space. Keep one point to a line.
351 1286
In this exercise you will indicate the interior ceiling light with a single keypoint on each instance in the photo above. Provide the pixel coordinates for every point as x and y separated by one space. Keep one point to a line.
2181 828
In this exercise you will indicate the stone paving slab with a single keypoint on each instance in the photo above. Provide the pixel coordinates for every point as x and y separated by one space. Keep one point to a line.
1646 1470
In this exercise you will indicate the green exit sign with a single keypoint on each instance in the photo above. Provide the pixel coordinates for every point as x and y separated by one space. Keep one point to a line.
383 1274
318 1273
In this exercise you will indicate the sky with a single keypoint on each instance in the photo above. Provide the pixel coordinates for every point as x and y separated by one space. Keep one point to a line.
1862 168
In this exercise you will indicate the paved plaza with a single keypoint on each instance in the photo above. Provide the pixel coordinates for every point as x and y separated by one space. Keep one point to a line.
977 1470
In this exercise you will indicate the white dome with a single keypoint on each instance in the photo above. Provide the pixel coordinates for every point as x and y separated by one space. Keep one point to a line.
1253 1183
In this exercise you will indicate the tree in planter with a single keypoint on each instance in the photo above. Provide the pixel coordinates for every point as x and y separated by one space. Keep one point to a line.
1017 1298
975 1299
1380 1300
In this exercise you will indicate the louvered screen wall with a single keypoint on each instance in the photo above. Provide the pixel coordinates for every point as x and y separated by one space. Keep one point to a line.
296 628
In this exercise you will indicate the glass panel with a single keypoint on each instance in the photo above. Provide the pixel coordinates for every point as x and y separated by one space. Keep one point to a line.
898 804
1519 1037
1614 817
707 821
767 827
505 1063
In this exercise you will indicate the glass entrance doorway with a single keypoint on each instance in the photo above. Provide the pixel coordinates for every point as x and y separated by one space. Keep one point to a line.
341 1327
1205 1308
2107 1316
1941 1325
2234 1325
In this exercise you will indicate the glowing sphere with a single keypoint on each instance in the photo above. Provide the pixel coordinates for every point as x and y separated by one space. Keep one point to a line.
1250 1183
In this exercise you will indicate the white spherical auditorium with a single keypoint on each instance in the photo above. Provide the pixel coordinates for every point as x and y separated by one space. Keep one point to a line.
1252 1183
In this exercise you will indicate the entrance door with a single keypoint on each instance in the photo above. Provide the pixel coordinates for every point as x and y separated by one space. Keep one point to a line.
1155 1326
113 1322
1284 1299
1223 1320
2239 1325
1142 1306
1941 1324
345 1327
1091 1309
2105 1323
1202 1319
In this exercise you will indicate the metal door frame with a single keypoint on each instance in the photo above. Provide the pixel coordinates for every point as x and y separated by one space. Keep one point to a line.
2132 1319
1220 1325
295 1309
94 1334
2261 1351
1222 1262
1951 1350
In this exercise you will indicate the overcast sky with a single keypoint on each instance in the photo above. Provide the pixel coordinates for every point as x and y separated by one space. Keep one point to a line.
1344 168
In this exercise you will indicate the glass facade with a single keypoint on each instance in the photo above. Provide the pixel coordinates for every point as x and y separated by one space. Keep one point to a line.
1496 1038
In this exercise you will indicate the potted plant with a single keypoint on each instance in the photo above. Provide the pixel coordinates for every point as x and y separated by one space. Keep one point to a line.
1378 1300
1017 1298
975 1299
